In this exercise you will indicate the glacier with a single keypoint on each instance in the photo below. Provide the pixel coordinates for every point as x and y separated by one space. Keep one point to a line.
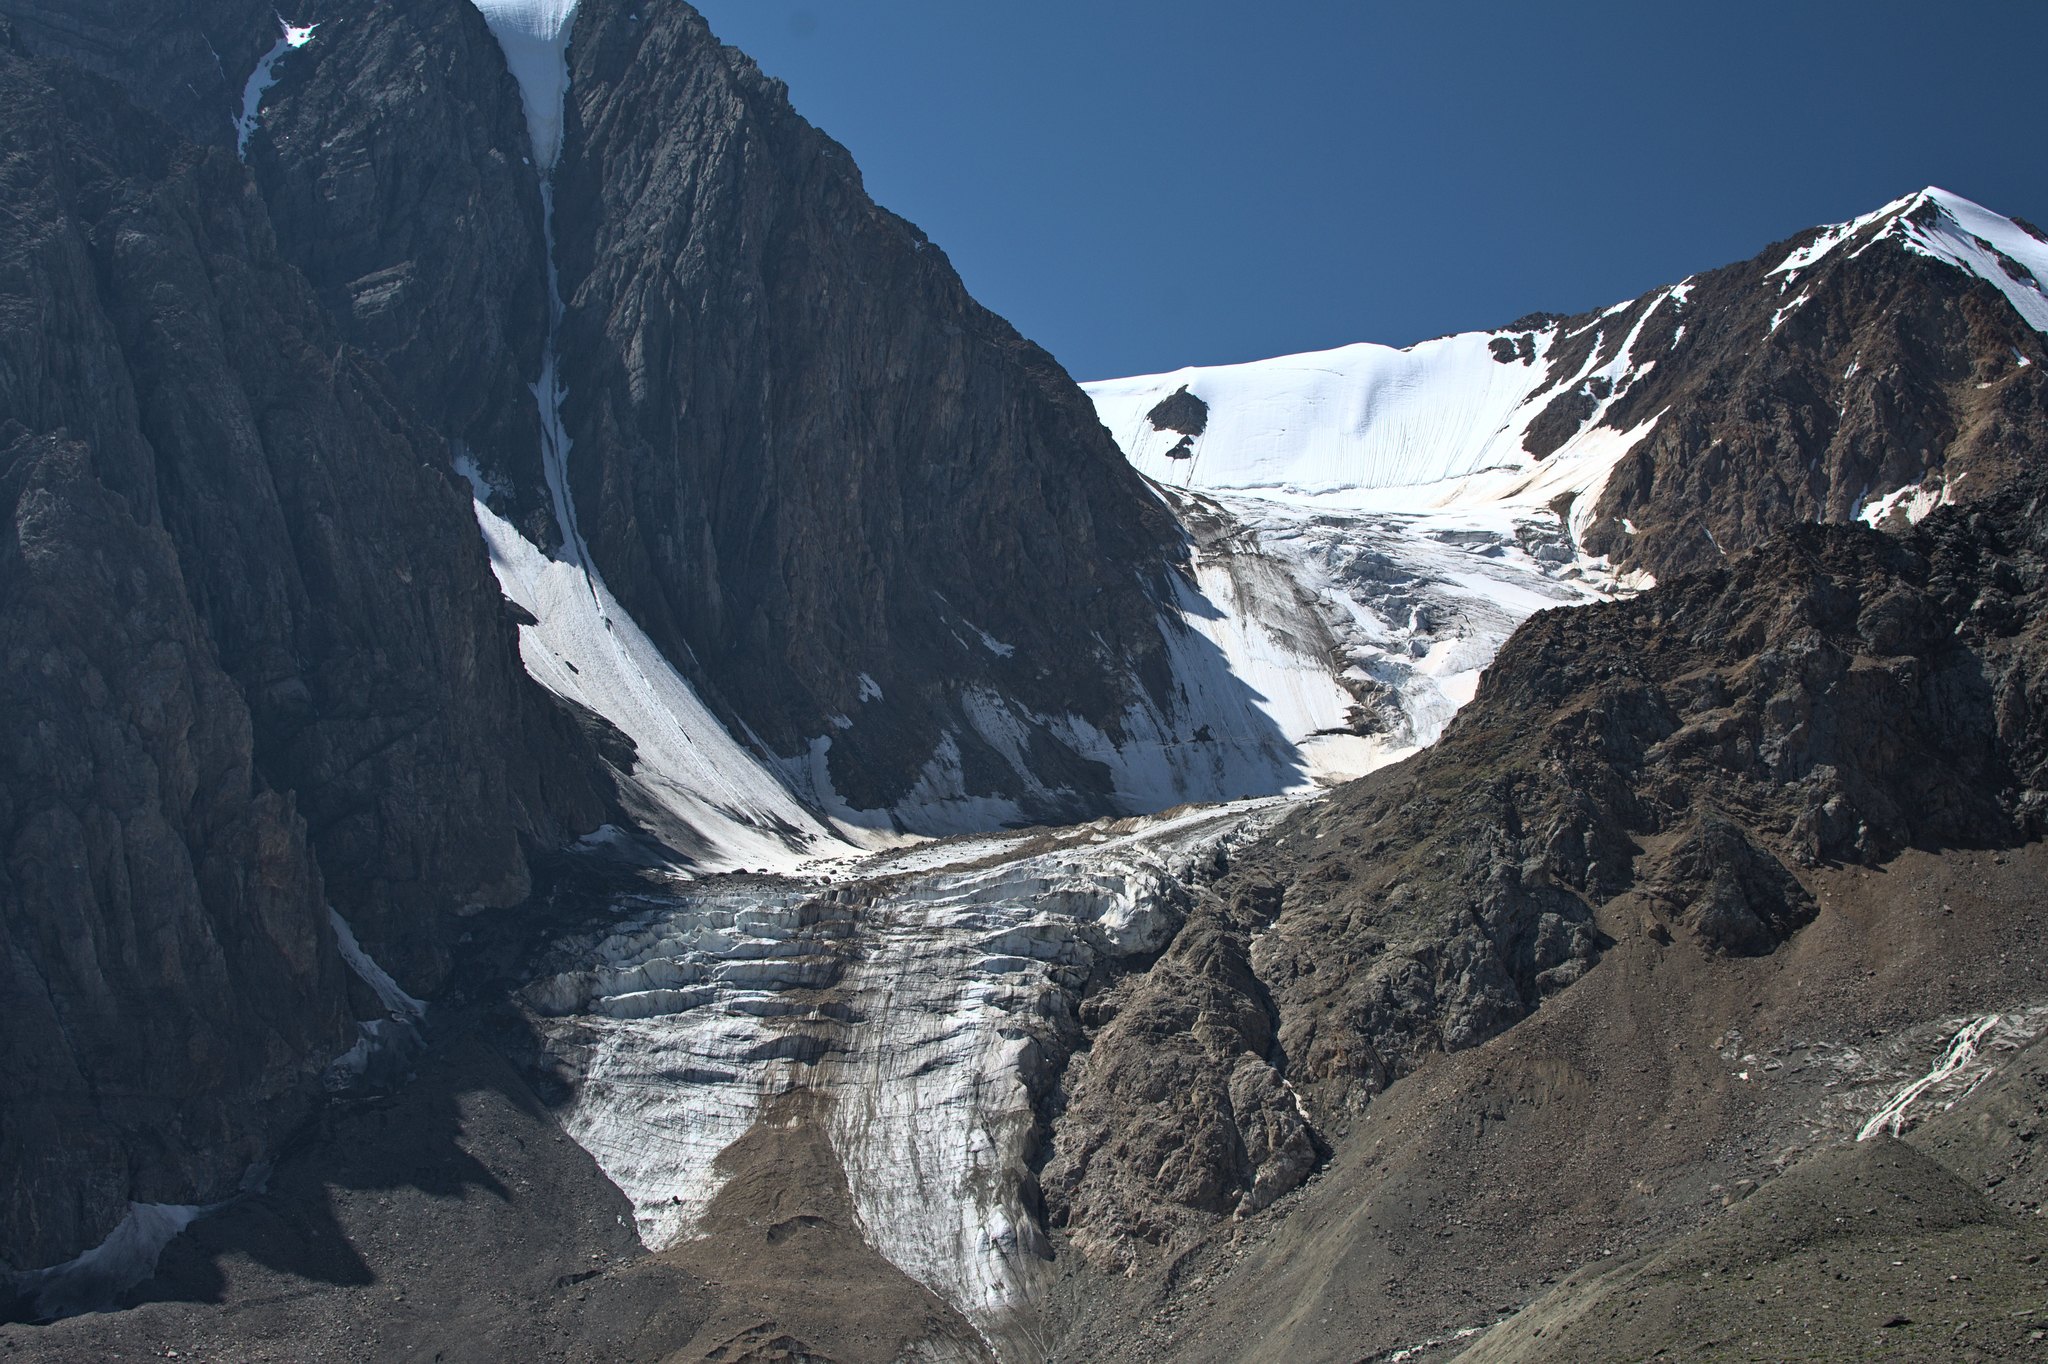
926 996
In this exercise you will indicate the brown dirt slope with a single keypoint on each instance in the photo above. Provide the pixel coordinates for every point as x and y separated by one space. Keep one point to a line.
1689 884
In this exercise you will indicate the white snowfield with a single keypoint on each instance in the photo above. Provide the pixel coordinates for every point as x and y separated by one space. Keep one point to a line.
1383 501
1436 428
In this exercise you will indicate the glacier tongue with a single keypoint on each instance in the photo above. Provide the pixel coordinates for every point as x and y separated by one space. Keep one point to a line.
927 997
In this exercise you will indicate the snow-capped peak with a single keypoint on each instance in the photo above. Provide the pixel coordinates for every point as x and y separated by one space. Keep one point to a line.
1947 227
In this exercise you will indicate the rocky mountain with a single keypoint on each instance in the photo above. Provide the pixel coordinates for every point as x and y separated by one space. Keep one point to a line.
498 514
256 668
1675 764
281 368
1862 370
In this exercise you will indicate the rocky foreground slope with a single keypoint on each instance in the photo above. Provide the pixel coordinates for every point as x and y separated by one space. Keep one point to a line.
1665 889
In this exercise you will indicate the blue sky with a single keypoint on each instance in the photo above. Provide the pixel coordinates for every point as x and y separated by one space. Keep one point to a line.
1140 185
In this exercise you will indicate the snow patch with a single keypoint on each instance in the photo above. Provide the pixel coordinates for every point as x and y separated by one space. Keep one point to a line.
991 643
1334 423
1913 501
585 647
262 78
534 35
1778 318
385 1047
388 991
1818 249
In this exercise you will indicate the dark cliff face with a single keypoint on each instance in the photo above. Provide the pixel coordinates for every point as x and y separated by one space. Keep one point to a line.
801 451
171 987
391 154
183 60
264 661
392 157
1681 760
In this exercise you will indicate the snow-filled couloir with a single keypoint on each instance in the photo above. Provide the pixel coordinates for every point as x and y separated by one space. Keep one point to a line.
535 37
704 793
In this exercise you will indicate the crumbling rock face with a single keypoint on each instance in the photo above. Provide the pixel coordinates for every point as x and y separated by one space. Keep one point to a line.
264 665
1180 1083
1838 695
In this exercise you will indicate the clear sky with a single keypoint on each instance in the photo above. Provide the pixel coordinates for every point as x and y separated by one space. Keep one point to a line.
1140 185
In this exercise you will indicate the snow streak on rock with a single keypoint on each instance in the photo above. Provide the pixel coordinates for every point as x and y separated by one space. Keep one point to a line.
262 78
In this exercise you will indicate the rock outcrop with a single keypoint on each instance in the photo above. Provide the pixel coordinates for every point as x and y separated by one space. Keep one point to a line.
1836 696
1796 392
392 158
